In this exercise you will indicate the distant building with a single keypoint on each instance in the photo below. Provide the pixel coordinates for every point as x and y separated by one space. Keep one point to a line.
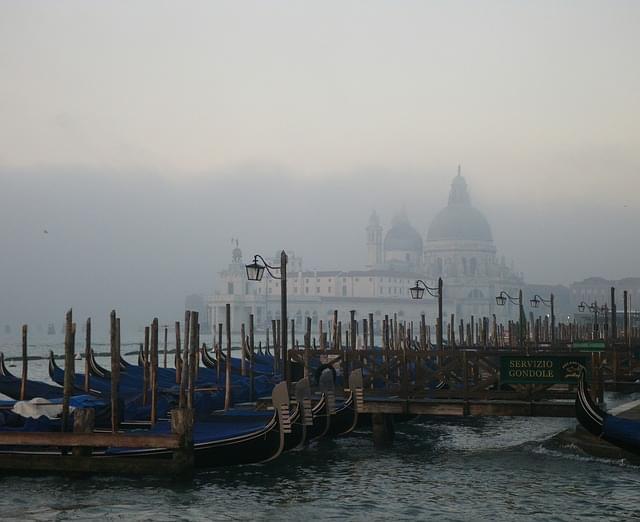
459 248
197 303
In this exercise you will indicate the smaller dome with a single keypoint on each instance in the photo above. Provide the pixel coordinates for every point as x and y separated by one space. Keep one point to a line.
402 236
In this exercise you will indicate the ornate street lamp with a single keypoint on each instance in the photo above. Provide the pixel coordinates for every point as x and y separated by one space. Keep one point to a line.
535 302
255 271
501 300
417 292
593 307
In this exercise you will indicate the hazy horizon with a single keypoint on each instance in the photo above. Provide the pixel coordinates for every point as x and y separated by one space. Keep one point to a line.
144 136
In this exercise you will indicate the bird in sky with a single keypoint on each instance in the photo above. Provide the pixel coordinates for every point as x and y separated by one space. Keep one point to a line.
45 231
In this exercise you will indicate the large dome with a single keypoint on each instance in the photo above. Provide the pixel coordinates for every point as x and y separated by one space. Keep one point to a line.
402 236
459 220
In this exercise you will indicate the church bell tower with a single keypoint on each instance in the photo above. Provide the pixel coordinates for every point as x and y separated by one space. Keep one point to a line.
374 241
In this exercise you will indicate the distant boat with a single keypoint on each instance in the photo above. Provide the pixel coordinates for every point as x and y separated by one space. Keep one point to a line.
51 330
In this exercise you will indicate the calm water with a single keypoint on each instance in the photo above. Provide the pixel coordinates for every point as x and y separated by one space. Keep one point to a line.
452 469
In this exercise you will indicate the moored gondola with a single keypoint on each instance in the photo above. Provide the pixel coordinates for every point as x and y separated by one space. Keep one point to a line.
621 432
10 386
345 419
234 437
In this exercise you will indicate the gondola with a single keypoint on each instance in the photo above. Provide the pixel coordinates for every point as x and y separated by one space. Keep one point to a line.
226 438
10 386
231 438
621 432
262 365
345 419
206 380
98 387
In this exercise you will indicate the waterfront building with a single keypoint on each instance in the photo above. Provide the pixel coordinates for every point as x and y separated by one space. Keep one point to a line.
458 247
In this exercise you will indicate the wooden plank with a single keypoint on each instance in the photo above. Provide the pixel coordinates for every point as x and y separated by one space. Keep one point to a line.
72 464
113 440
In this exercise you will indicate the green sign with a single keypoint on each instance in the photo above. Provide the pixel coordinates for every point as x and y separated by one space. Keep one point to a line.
545 369
589 346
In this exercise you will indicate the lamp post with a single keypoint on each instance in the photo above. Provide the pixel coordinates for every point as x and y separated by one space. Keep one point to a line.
417 292
255 271
501 300
593 307
535 302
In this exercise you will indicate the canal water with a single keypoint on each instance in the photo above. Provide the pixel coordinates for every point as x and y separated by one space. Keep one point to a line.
439 469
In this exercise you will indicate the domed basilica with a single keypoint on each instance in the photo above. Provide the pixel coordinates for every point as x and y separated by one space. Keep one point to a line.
458 247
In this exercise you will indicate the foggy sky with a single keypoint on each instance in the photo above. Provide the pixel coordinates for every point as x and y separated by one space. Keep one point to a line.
144 135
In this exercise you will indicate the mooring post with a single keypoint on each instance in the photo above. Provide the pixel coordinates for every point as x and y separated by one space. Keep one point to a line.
243 350
87 354
465 377
83 422
184 379
145 366
185 370
383 430
219 354
164 358
182 425
193 361
365 333
627 335
614 317
385 342
275 329
227 384
115 371
23 380
251 358
321 335
154 371
178 358
69 368
187 330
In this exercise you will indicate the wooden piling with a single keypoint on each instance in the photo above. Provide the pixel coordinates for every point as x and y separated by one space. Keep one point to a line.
251 358
307 335
115 371
321 336
184 377
178 357
452 327
182 426
187 326
87 354
243 350
83 422
614 315
25 359
365 333
166 333
69 369
219 353
627 333
383 430
145 366
153 374
193 361
227 384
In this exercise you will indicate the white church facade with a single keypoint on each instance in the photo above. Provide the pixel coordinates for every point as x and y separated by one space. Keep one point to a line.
458 247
